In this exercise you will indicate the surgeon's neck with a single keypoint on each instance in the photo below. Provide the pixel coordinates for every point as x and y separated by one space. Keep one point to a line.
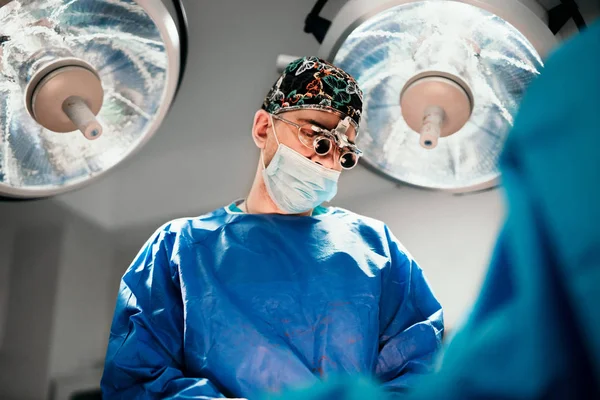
258 200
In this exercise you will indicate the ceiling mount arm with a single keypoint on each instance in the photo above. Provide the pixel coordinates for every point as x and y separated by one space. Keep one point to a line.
315 24
559 15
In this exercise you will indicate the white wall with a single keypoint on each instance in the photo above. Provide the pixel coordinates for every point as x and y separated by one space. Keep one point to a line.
58 306
95 202
6 250
25 356
83 300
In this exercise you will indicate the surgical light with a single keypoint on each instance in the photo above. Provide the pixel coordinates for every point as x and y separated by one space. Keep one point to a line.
83 85
442 79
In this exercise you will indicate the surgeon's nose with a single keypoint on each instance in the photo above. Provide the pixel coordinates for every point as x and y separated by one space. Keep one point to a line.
327 160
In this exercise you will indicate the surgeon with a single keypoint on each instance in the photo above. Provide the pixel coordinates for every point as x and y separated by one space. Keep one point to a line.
276 290
534 332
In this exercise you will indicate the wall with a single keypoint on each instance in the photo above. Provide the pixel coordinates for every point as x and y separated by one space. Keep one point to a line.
25 356
6 250
95 203
57 309
83 300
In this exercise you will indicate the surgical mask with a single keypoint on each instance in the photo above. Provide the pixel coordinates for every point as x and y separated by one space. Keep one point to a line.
295 183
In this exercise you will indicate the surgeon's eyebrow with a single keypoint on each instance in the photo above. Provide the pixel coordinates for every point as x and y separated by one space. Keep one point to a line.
314 122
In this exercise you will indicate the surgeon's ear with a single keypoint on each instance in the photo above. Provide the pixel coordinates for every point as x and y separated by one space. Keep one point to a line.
260 127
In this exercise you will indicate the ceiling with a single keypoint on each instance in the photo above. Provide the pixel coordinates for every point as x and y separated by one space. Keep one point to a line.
203 156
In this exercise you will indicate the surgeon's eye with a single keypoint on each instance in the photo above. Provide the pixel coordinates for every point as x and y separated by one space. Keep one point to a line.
322 145
348 160
307 135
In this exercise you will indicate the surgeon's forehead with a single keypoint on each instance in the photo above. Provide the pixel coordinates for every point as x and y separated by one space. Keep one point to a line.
323 119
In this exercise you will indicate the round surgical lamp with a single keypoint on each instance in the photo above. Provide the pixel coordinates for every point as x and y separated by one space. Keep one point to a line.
84 84
442 81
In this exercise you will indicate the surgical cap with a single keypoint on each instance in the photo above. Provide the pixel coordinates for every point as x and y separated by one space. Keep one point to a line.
312 83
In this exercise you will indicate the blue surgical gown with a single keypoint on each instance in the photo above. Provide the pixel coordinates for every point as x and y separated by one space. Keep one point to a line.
233 305
534 332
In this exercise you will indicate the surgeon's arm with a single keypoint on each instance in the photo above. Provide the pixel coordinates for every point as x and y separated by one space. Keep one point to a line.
411 322
145 351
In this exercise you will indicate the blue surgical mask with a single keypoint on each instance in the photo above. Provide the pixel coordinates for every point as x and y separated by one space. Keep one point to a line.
297 184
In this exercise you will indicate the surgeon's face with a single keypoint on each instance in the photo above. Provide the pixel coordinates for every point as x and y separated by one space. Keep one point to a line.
289 135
